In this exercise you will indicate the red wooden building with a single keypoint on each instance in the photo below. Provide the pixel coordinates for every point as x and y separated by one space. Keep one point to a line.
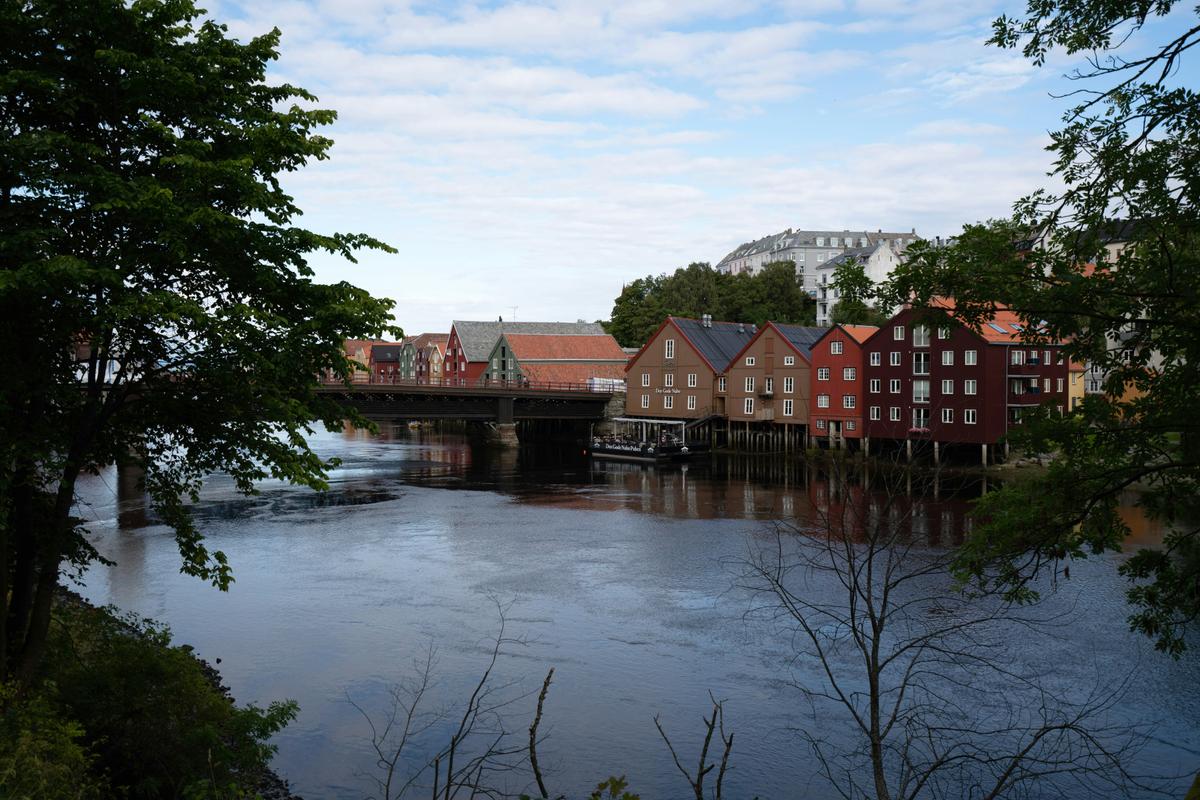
951 385
836 408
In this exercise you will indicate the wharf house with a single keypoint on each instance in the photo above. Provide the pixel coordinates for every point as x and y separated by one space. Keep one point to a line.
429 361
680 373
359 350
952 385
560 360
469 345
385 362
408 353
768 385
836 400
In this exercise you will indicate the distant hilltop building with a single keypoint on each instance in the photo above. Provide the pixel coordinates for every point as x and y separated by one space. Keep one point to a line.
809 250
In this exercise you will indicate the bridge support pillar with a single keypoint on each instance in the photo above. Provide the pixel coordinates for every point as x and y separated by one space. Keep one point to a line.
502 434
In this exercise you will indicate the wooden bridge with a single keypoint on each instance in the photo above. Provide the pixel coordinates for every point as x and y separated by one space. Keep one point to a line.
503 403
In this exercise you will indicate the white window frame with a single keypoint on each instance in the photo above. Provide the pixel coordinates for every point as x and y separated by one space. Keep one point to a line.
849 374
789 361
721 383
894 386
691 402
691 380
668 401
748 407
894 413
645 379
969 416
876 359
822 401
898 333
789 385
669 348
788 407
835 347
750 383
947 386
917 396
921 357
750 361
668 379
849 401
947 416
920 335
822 373
894 358
645 401
875 413
970 358
943 333
820 424
851 425
947 358
875 386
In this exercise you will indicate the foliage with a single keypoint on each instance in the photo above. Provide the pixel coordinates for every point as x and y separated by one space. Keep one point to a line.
42 756
614 789
771 294
156 723
1128 150
156 304
854 290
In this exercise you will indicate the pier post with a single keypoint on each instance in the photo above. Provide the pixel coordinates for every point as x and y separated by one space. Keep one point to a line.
983 447
908 449
937 455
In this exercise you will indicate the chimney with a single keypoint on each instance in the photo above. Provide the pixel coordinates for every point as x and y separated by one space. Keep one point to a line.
741 328
754 329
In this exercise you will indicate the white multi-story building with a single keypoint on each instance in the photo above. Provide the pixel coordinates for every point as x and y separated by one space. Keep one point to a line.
809 250
878 263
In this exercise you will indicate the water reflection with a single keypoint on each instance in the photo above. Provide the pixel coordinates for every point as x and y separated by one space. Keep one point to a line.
620 577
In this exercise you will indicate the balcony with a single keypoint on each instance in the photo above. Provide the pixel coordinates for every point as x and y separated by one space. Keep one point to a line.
764 415
767 393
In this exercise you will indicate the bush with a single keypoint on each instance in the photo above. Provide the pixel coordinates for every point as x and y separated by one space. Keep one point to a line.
157 724
41 753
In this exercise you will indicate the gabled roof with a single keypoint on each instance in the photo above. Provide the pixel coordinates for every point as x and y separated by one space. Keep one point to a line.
718 343
802 337
859 333
571 373
542 347
858 253
425 339
478 338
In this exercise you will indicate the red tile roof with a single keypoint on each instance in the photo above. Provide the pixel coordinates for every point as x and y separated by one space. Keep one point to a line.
1003 327
528 347
860 333
572 373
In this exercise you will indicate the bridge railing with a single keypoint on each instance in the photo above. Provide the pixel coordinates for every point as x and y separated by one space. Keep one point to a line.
593 387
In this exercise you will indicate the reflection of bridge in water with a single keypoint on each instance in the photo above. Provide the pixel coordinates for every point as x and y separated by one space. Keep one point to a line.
503 405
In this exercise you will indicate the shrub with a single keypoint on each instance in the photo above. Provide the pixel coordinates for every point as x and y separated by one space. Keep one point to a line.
42 756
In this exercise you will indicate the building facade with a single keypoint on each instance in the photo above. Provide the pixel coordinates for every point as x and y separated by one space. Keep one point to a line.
680 372
768 381
836 401
954 385
385 363
410 353
470 343
564 360
429 361
877 261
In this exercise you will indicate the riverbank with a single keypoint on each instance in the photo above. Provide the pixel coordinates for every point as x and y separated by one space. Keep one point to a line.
122 711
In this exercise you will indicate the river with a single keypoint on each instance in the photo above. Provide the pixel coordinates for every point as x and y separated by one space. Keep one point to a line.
621 578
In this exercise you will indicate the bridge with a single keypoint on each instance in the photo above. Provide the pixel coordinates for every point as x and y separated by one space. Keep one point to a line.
500 403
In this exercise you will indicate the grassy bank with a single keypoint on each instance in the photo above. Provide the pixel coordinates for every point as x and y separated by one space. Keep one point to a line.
121 712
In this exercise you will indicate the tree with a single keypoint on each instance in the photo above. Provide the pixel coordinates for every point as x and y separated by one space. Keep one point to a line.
911 694
1111 266
156 305
854 292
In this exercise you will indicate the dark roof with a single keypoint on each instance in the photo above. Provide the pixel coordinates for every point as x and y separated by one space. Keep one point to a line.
858 253
720 343
386 352
802 337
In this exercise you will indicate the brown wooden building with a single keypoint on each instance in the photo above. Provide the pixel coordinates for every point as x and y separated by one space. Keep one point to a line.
680 372
768 381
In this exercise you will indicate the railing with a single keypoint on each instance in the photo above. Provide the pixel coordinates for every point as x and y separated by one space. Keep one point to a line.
484 384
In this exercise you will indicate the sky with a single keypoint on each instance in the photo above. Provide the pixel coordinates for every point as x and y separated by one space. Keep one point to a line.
527 159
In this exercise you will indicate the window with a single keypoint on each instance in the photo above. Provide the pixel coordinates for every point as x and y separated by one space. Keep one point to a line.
943 333
1045 356
968 416
898 333
750 384
668 379
669 348
947 358
1018 356
969 358
875 412
849 373
1046 385
920 363
748 406
894 358
1060 384
691 402
787 407
789 361
769 385
820 241
645 379
947 386
789 385
920 336
822 401
495 362
820 424
850 425
847 401
894 413
920 391
721 384
920 418
876 359
749 361
835 348
948 415
691 380
823 374
894 386
668 401
875 386
645 401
